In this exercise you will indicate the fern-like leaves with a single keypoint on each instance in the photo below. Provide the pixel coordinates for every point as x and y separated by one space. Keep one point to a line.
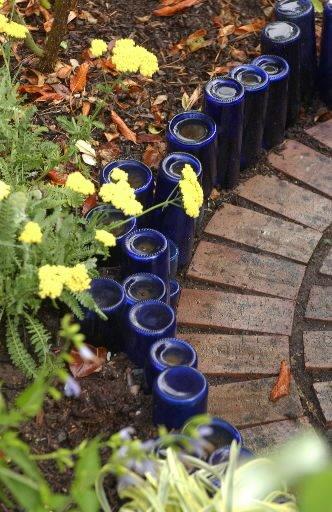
39 338
72 303
17 351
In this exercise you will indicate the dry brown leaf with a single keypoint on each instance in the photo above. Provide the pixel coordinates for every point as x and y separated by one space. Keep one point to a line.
89 203
56 177
63 70
78 80
153 154
48 25
46 92
108 152
253 26
161 98
215 194
189 101
123 128
111 136
170 10
226 31
238 54
82 368
282 385
86 107
148 137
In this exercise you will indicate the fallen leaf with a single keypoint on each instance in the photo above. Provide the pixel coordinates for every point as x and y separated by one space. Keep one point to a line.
86 107
123 128
85 15
108 152
143 19
56 177
215 194
282 385
253 26
111 136
63 70
322 115
81 367
89 203
226 31
189 101
148 137
170 10
78 80
238 54
161 98
153 154
87 152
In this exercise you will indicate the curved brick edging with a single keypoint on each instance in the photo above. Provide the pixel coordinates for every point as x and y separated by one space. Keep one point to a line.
256 260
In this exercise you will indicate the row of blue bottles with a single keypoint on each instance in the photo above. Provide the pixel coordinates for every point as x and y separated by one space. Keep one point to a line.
325 63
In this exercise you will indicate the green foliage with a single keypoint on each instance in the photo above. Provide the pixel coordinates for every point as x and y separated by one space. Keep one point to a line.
27 338
318 5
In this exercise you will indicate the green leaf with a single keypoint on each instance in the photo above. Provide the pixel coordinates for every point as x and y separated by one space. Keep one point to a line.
86 472
318 5
31 399
315 492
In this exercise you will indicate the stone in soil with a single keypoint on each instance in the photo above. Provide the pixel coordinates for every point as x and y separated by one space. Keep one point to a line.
289 200
207 308
326 268
261 437
323 391
319 305
246 404
317 350
264 232
304 164
222 264
239 356
322 132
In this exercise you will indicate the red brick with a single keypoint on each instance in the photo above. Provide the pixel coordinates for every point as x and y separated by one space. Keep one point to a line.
289 200
304 164
317 350
264 232
319 306
323 391
206 308
246 404
262 437
326 268
322 132
239 356
219 263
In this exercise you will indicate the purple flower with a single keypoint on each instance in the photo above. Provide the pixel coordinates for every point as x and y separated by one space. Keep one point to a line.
126 433
72 388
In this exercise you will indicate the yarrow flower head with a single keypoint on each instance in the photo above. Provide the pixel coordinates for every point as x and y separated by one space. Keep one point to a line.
4 190
11 28
118 174
122 197
77 278
127 57
77 182
191 192
31 233
98 47
51 280
106 238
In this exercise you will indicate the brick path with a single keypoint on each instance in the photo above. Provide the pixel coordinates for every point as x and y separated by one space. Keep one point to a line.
245 278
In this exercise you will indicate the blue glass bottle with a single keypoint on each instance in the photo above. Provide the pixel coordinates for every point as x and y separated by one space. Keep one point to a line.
302 13
224 102
256 85
110 297
143 286
276 114
147 322
146 250
173 221
174 293
283 38
220 432
179 393
325 62
165 353
173 258
106 214
196 133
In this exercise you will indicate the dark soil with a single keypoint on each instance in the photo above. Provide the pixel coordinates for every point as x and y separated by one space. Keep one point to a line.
112 399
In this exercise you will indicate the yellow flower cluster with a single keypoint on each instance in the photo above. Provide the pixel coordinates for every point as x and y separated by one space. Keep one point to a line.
77 182
106 238
98 47
121 194
53 278
31 233
4 190
118 174
191 191
127 57
11 28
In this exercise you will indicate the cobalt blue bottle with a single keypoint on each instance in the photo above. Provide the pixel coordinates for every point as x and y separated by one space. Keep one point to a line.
165 353
221 455
302 13
179 393
276 113
196 133
143 286
283 38
224 102
220 432
105 214
146 250
173 221
147 322
256 85
325 63
173 258
174 293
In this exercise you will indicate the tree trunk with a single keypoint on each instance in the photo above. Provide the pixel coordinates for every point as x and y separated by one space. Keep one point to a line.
57 34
